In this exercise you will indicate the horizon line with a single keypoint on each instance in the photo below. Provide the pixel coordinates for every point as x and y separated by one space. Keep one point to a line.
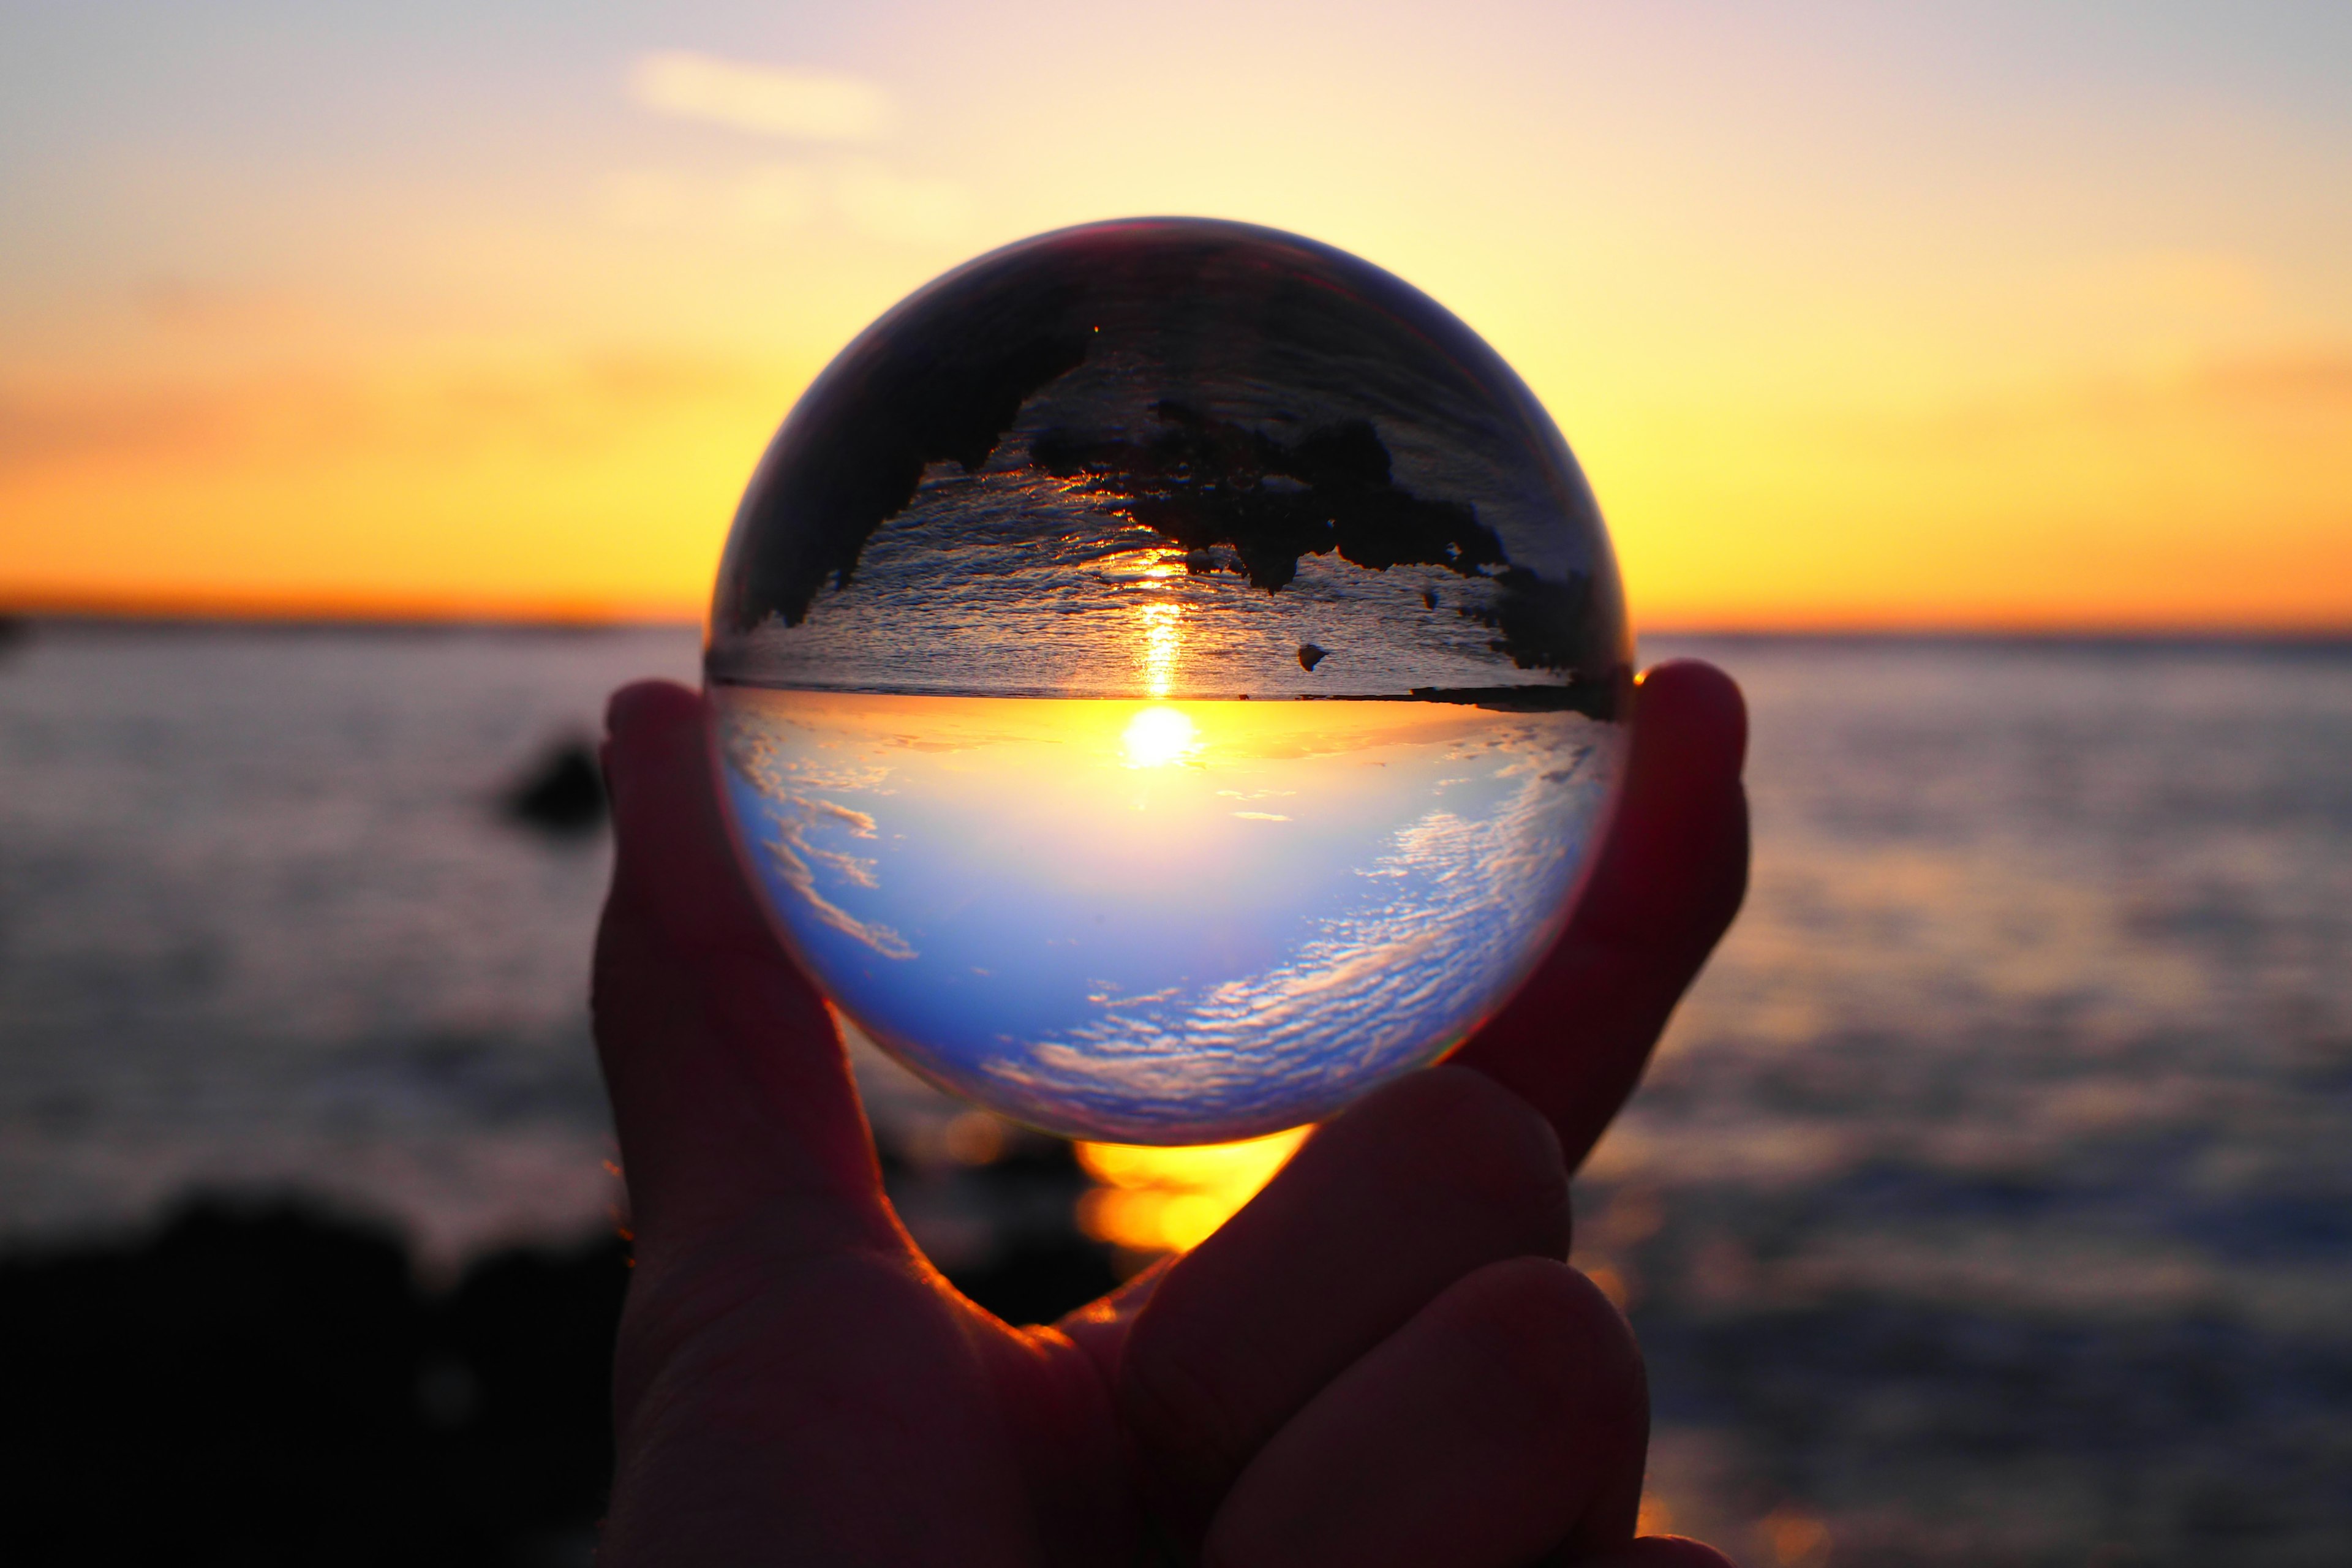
393 617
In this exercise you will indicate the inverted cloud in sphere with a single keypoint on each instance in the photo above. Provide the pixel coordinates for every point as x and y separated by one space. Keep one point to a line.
772 100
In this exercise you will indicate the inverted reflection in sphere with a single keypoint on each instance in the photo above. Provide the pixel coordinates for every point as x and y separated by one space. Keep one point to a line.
1170 675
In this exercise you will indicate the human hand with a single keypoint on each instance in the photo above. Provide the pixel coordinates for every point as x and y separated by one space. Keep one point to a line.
1383 1359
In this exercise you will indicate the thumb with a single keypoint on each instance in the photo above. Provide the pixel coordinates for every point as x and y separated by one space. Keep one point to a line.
730 1091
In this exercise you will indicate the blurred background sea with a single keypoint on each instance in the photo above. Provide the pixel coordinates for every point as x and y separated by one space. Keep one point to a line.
1989 1202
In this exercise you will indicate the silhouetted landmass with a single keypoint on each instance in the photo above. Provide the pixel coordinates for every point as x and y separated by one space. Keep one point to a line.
1541 624
1211 485
854 454
563 793
1593 699
265 1383
1238 499
1309 655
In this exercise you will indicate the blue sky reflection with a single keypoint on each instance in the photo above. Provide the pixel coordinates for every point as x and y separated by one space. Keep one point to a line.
1162 922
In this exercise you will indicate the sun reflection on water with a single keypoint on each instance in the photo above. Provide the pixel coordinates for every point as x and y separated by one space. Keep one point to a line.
1161 646
1172 1200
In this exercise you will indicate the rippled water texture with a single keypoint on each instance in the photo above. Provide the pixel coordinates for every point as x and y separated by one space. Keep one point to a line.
1990 1203
1991 1199
1163 923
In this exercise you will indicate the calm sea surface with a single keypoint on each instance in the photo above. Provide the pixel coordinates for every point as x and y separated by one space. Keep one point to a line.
1991 1201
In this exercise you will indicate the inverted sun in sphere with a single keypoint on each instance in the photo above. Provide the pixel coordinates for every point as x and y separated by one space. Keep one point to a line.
1170 674
1158 736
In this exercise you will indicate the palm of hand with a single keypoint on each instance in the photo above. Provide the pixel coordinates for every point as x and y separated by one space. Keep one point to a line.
1382 1360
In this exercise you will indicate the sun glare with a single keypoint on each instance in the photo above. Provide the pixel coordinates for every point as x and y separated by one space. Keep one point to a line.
1158 736
1172 1200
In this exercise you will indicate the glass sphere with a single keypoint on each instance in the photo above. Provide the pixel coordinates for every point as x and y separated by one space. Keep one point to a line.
1169 676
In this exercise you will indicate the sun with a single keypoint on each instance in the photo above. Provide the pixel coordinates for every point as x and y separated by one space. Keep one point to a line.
1156 737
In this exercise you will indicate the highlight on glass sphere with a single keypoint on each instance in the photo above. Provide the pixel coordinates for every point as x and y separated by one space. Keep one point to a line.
1169 675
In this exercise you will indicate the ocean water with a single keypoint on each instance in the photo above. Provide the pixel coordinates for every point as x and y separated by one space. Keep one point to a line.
261 922
1990 1201
1163 923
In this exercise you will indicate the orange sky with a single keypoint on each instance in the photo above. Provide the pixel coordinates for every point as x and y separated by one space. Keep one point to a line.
1853 319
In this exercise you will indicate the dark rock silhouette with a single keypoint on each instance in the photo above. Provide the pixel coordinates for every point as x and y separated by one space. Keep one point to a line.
265 1383
563 793
852 454
1209 485
1309 655
1538 621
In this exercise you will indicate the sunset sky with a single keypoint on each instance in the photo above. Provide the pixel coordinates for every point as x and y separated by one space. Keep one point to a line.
1993 314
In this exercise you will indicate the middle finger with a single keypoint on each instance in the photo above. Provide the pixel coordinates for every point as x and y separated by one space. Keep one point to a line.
1415 1186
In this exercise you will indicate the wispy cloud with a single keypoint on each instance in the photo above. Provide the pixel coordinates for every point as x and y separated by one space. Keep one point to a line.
771 101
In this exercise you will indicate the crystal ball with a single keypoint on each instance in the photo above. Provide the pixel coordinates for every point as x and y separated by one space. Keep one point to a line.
1169 675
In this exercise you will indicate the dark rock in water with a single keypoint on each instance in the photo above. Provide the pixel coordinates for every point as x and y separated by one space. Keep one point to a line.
269 1380
1428 599
563 794
1309 655
265 1382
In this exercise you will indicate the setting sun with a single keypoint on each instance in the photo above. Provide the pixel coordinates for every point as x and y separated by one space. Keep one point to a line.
1156 737
1172 1200
1855 319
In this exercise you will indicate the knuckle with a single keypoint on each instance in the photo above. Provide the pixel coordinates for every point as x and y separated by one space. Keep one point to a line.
1550 1339
1482 1143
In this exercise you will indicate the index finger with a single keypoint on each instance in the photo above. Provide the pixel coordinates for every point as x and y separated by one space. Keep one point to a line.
730 1090
1670 875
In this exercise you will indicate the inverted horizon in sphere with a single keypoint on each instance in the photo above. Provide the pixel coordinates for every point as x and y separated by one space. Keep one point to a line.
1162 922
995 643
1162 458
